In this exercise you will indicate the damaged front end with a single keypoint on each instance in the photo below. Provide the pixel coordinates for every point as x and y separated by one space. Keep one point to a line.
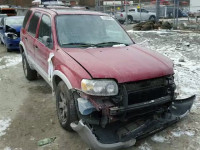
140 109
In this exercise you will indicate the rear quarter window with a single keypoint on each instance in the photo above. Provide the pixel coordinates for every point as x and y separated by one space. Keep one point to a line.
33 23
28 14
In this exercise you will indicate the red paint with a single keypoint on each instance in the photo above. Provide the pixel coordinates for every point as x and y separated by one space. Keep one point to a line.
124 64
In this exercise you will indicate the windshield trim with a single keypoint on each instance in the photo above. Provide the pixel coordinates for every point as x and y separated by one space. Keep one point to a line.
56 29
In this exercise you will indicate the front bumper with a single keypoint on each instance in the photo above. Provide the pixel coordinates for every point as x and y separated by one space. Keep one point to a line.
88 137
12 43
178 110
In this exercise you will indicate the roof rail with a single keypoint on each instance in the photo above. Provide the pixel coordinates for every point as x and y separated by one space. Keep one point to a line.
58 4
46 3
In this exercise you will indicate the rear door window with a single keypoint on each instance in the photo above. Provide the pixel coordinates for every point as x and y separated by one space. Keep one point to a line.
132 10
33 23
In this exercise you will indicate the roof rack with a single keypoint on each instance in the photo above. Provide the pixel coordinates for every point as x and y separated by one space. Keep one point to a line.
58 4
45 3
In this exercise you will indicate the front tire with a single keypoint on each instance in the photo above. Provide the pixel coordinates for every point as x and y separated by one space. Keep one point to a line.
65 105
121 21
2 43
8 50
28 72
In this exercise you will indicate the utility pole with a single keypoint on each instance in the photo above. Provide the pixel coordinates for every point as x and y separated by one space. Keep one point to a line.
140 11
174 13
126 12
96 5
99 5
177 13
157 10
114 7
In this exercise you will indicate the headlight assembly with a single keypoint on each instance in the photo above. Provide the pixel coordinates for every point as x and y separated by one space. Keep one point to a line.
12 36
99 87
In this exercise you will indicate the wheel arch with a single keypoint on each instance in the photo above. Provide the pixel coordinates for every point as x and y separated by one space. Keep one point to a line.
22 47
152 16
129 16
59 76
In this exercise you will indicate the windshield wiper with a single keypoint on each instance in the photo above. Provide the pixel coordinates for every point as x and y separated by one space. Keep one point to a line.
78 44
103 44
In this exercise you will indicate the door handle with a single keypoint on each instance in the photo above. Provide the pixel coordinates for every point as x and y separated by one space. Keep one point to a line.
35 46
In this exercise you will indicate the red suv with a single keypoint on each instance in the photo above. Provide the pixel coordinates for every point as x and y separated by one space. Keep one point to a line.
107 88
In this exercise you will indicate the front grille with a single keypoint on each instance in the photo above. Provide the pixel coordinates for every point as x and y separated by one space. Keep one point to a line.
146 95
147 90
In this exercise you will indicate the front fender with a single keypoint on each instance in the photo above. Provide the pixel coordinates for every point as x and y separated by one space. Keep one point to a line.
70 77
63 77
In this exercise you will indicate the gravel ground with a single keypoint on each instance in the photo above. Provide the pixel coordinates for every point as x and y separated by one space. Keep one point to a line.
27 110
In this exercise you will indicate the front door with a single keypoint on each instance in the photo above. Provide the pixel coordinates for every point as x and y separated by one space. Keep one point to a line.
44 44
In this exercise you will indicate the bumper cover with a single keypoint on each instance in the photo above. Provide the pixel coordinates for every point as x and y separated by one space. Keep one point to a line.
178 110
12 43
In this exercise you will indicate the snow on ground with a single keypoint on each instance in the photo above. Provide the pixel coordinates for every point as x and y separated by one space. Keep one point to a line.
4 124
158 138
7 148
145 146
181 47
8 61
178 132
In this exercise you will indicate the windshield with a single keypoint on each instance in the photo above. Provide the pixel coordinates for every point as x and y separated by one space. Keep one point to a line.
90 31
14 21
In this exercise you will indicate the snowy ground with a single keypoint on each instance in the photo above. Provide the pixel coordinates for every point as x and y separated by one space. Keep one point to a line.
184 49
181 47
27 112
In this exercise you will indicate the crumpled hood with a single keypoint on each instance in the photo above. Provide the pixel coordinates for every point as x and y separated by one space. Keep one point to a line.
16 28
125 64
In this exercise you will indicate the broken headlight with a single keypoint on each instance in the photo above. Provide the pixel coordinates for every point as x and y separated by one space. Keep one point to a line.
12 36
99 87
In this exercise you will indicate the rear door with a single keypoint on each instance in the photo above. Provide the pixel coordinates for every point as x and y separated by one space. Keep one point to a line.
23 33
144 14
44 43
31 34
132 13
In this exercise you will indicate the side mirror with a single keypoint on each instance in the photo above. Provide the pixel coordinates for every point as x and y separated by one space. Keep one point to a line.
46 40
1 27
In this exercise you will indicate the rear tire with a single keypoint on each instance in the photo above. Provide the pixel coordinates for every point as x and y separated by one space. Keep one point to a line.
152 18
28 72
130 19
121 22
65 105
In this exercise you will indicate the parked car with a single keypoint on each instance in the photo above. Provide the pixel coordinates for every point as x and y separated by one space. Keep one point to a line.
166 11
133 14
10 32
107 88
